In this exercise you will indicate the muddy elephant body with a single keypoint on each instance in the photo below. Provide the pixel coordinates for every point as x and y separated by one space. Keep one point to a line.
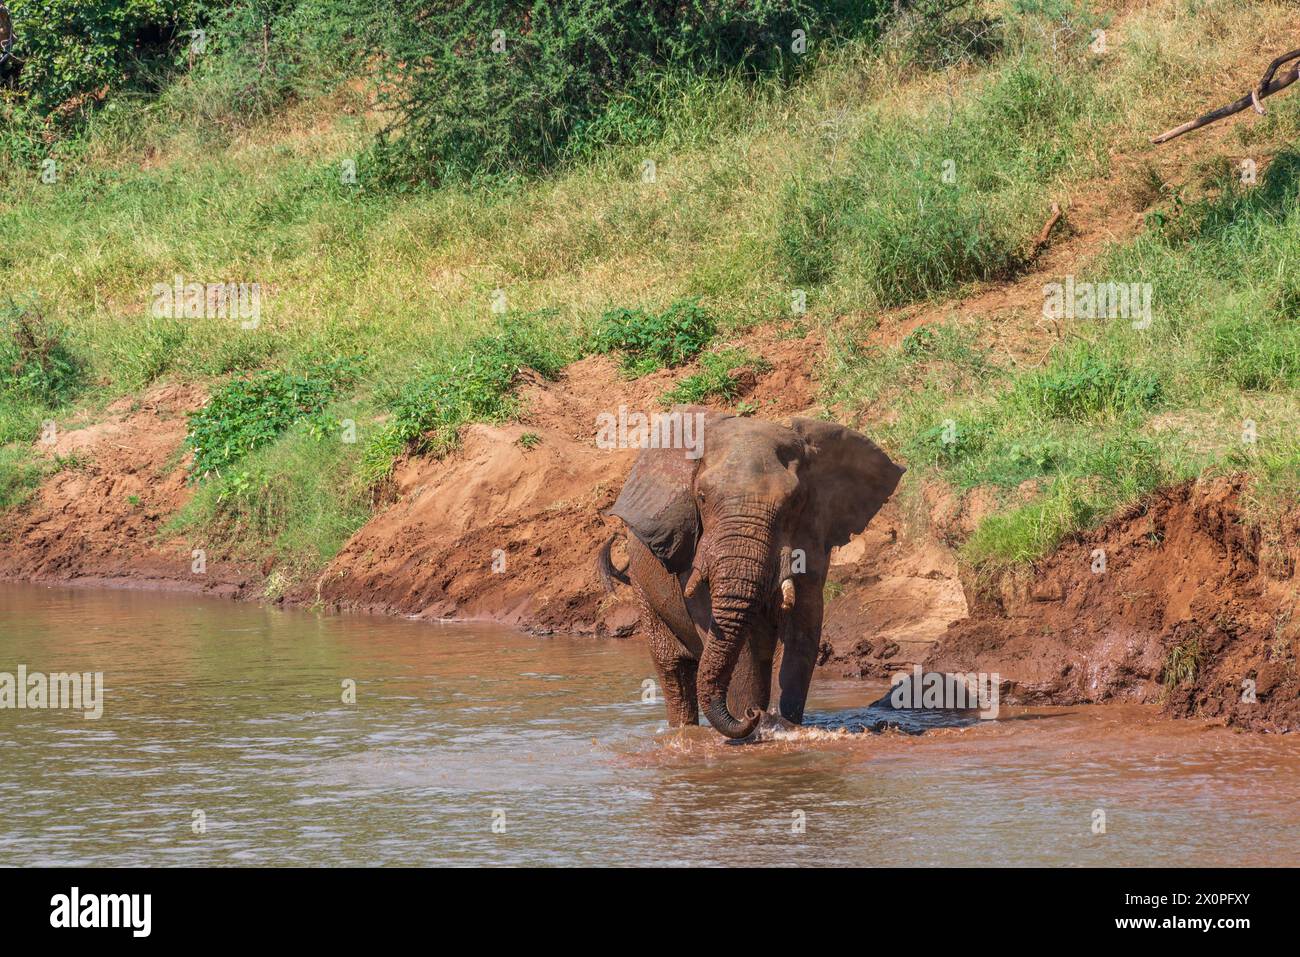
728 552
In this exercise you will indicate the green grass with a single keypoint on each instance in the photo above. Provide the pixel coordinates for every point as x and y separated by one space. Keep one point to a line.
717 378
1182 663
20 476
427 411
245 414
1114 411
927 204
296 499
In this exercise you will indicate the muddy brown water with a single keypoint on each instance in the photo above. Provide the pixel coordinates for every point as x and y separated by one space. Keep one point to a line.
236 711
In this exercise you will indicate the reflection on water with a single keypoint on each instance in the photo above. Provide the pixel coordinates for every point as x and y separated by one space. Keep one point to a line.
237 712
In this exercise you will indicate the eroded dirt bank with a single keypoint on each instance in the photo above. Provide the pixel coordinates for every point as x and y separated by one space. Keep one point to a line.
97 520
1193 607
505 529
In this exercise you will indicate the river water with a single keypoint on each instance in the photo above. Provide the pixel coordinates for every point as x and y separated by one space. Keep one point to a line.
225 739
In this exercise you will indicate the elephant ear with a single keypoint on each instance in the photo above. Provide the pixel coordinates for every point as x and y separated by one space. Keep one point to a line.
848 476
658 501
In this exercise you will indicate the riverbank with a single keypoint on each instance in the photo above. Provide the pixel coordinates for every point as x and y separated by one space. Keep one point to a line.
504 530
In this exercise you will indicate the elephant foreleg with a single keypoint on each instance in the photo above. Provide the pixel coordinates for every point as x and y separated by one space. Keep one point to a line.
801 635
676 669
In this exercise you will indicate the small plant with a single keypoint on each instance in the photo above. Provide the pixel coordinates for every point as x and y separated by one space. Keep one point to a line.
529 440
920 342
133 500
20 476
1182 663
1080 384
475 386
648 341
246 414
719 377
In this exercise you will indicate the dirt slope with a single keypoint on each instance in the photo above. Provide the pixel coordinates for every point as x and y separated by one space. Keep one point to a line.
96 520
1185 579
503 532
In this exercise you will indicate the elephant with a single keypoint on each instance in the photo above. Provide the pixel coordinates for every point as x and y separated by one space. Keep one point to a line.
729 551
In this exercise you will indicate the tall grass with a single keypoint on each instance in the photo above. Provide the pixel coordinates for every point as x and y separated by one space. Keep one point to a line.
929 203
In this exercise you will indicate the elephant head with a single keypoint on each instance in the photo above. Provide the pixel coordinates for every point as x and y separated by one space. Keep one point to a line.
762 503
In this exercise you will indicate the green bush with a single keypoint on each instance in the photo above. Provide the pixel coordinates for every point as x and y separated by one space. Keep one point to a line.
263 53
470 99
36 363
242 58
68 50
296 499
475 385
1081 384
246 414
649 341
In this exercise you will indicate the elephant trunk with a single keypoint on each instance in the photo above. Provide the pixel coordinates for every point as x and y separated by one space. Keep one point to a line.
738 571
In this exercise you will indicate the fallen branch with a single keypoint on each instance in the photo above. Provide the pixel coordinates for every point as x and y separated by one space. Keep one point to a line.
1269 84
1041 241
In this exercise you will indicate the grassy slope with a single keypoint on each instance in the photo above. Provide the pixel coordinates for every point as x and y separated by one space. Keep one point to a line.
834 188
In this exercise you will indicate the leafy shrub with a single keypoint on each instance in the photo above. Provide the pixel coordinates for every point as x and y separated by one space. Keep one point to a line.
428 412
71 49
262 53
296 499
944 33
500 85
36 363
73 55
648 341
246 414
717 377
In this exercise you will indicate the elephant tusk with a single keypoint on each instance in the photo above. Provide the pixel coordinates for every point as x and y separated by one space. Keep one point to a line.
787 594
692 583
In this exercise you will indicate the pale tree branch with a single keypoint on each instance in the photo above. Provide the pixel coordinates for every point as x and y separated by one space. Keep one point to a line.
1269 84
